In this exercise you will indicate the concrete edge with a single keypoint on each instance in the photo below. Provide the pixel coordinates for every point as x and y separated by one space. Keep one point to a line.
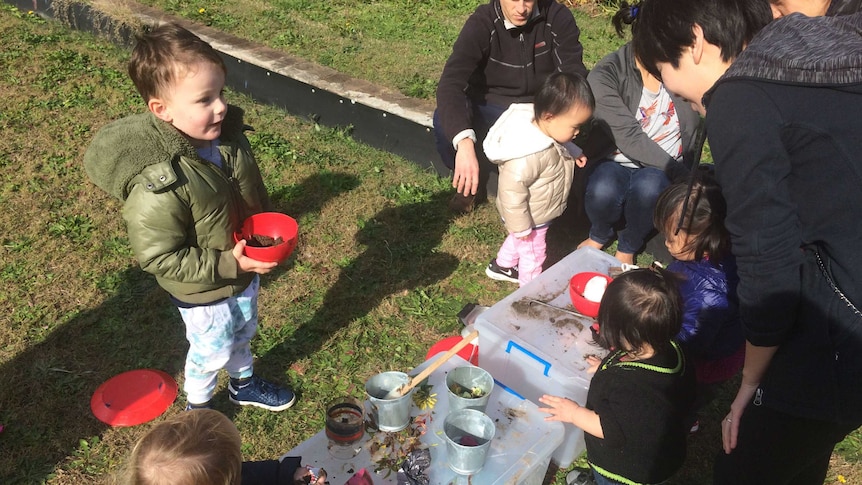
378 116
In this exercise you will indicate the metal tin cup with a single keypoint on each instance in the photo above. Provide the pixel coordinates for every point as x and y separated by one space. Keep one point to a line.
469 388
390 413
468 436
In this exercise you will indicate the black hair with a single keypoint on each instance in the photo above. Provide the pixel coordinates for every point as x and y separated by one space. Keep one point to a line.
703 220
640 306
561 91
626 14
665 27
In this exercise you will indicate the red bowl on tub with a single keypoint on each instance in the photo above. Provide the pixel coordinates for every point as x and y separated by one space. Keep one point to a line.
576 290
273 225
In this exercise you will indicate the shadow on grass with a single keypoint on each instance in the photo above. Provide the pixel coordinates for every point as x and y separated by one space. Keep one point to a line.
400 255
45 403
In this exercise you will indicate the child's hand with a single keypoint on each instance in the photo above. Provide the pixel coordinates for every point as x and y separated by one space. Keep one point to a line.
581 161
568 411
248 265
593 363
309 475
559 408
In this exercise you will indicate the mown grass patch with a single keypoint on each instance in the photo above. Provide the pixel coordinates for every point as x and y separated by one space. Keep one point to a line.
380 271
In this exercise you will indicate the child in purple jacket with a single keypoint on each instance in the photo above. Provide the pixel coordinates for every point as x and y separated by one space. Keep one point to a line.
691 216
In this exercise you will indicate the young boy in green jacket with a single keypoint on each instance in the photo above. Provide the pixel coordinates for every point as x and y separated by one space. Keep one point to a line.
187 178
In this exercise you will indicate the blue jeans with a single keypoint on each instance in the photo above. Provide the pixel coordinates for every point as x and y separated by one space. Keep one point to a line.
614 193
483 116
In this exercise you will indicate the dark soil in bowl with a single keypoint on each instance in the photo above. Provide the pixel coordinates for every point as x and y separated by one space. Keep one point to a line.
261 241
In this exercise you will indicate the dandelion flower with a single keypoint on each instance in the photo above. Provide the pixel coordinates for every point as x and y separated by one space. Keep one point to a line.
202 10
841 479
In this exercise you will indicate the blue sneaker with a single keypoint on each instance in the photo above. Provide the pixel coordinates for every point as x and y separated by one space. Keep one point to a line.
261 393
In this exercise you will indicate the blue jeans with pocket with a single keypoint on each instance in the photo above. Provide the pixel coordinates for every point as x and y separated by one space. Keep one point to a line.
614 193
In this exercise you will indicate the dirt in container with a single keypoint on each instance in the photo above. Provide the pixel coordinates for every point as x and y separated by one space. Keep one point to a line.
261 241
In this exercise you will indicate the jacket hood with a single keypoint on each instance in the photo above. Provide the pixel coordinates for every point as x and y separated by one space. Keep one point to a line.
514 135
822 51
124 148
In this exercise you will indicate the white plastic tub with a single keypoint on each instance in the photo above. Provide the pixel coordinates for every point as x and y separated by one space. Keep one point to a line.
532 350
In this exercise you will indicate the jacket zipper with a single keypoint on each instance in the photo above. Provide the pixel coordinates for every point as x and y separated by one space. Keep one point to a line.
227 171
524 63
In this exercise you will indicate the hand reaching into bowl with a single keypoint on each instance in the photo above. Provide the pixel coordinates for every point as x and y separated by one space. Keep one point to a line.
248 265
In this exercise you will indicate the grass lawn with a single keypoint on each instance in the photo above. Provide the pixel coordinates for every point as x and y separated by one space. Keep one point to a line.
380 271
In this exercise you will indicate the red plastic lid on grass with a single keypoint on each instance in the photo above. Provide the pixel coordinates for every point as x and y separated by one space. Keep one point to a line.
134 397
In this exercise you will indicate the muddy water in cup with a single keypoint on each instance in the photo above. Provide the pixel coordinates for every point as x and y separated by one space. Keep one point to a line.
345 426
468 437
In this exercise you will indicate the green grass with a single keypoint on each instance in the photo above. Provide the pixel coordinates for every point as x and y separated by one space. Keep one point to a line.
401 44
380 271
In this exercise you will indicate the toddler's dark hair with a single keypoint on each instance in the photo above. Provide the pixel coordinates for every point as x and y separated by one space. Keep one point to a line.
703 220
561 91
165 53
640 306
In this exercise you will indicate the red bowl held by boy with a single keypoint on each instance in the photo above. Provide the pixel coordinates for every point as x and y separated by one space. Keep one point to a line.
586 290
269 236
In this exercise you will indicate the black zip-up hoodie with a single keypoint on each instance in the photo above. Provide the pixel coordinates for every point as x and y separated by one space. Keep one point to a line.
783 125
492 64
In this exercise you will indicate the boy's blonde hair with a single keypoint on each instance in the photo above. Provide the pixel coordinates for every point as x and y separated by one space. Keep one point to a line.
164 54
198 447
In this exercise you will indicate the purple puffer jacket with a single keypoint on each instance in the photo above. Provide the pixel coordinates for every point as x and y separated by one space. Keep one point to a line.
711 327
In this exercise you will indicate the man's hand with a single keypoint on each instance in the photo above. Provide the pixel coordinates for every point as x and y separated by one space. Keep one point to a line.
248 265
466 176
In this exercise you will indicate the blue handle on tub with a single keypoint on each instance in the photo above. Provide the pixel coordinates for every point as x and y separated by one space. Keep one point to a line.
534 356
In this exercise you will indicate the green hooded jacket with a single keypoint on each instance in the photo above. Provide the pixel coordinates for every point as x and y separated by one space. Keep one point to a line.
180 210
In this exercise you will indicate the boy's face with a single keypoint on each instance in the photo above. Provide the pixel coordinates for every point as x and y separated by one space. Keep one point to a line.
195 103
565 126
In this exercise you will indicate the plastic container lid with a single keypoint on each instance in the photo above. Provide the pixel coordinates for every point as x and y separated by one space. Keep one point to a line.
133 397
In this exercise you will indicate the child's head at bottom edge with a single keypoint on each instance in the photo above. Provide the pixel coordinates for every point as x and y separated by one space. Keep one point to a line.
641 308
200 447
562 105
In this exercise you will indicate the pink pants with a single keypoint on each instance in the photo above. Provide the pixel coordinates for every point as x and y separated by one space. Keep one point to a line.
528 254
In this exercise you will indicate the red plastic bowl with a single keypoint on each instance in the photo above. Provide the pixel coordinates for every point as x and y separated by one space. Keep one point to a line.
274 225
576 291
133 397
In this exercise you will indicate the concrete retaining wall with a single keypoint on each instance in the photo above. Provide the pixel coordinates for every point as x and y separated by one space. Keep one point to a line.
378 116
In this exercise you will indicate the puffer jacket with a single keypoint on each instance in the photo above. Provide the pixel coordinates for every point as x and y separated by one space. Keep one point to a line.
535 171
711 326
180 210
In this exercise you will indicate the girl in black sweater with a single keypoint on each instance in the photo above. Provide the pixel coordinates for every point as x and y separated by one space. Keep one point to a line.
634 420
